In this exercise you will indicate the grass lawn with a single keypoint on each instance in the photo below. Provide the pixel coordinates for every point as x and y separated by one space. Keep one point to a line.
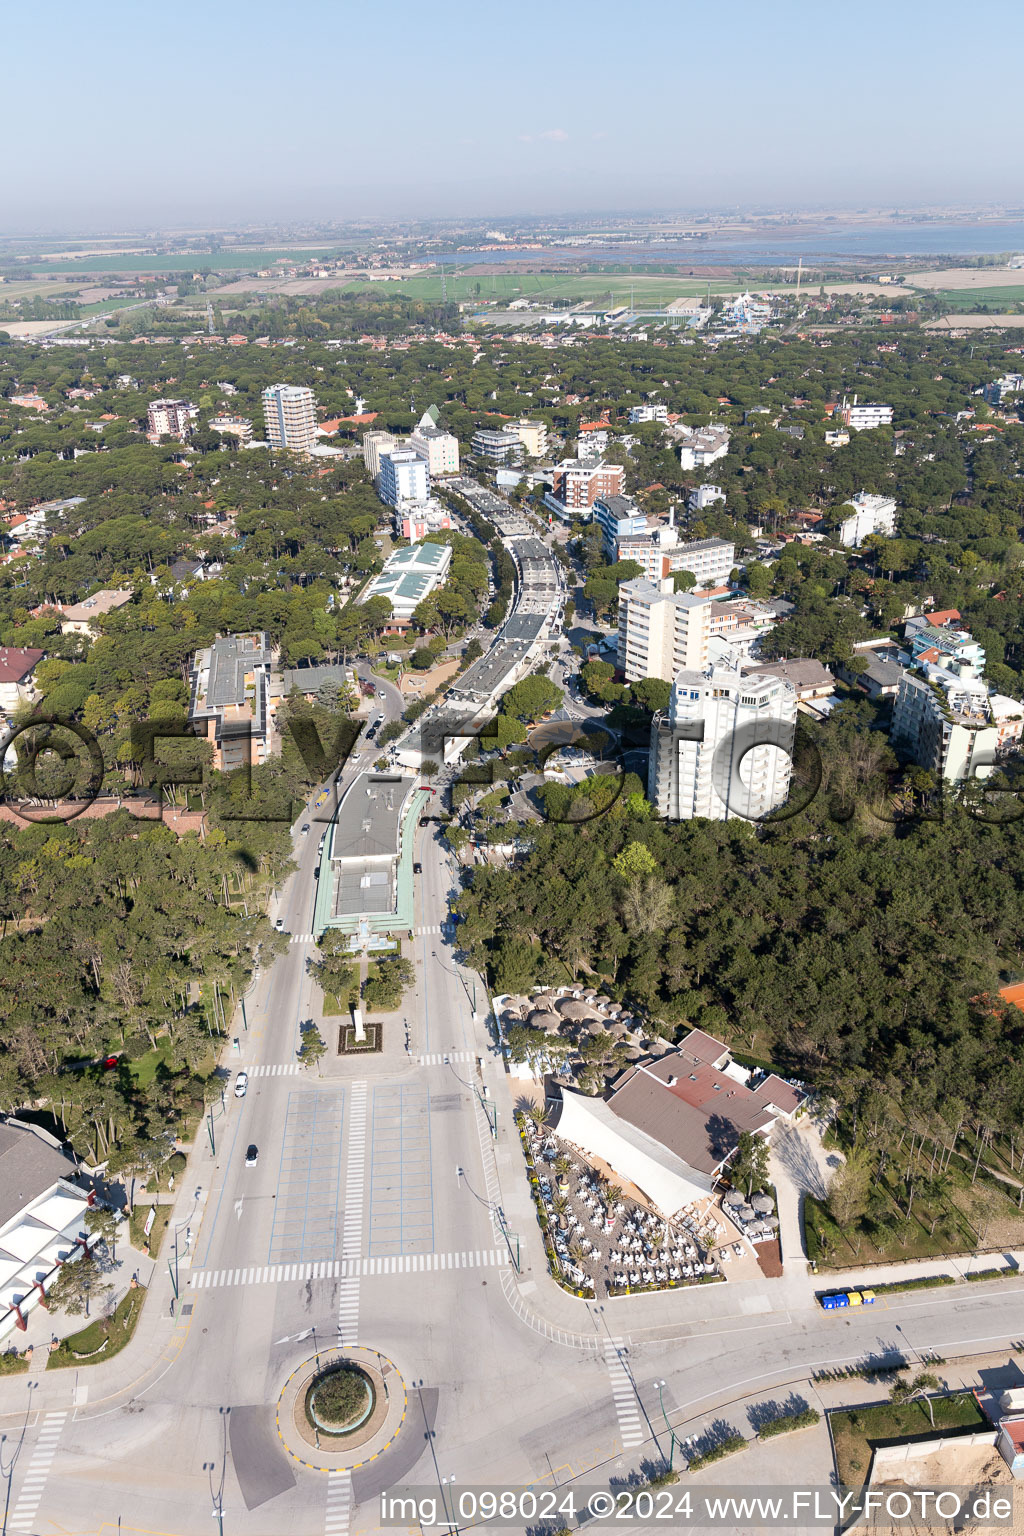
161 1221
144 1069
11 1363
103 1337
649 290
856 1431
335 1006
969 298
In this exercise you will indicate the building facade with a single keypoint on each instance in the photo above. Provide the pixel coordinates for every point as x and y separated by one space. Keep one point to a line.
403 477
710 560
500 446
723 748
862 418
871 514
171 418
289 413
534 437
440 449
660 630
703 445
953 727
582 482
640 413
374 444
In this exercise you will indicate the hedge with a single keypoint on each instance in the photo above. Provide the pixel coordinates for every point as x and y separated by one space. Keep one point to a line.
717 1452
1003 1273
919 1283
787 1421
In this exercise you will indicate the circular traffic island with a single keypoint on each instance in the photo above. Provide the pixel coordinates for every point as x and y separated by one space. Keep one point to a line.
342 1408
340 1400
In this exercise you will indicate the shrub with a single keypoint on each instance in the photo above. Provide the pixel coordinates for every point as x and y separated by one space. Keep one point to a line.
1003 1273
787 1421
724 1448
340 1397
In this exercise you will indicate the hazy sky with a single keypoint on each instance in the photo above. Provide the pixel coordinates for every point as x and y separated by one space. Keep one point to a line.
127 114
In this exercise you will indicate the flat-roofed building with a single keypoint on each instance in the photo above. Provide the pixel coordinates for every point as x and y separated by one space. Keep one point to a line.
233 426
534 437
723 748
440 449
661 630
404 476
374 444
871 514
289 414
499 445
171 418
230 699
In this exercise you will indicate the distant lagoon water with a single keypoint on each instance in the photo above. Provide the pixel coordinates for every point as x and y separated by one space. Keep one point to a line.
818 243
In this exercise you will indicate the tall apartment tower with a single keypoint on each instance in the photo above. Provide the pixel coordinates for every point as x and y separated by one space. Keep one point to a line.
289 411
661 630
374 444
723 748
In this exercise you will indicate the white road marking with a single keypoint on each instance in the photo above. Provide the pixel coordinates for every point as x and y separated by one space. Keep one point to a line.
630 1426
348 1269
23 1515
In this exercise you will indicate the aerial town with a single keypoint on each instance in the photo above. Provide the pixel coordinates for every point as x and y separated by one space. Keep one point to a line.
512 986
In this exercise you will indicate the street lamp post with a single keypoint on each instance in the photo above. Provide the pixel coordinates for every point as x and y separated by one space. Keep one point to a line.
671 1433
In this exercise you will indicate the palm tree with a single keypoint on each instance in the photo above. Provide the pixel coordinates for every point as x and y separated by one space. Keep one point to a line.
562 1165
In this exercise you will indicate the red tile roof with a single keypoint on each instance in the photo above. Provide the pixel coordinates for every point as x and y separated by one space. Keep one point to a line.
16 662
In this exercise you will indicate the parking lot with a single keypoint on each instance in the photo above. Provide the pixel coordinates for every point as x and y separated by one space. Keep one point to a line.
401 1200
306 1215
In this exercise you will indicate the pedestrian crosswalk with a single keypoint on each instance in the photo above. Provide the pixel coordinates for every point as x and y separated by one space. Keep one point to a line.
23 1516
439 1058
301 938
423 933
626 1411
352 1232
278 1069
345 1269
339 1503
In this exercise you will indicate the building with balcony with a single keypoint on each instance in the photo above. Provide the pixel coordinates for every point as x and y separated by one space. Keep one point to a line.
289 414
862 418
233 426
440 449
661 630
701 446
403 477
171 418
871 514
579 483
374 444
230 699
723 748
640 413
499 445
533 435
952 726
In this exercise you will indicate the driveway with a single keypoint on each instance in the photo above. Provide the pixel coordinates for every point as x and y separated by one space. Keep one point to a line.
799 1165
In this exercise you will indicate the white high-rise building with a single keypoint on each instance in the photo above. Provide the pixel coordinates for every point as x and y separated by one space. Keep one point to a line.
289 412
404 476
661 630
439 448
374 444
871 514
723 748
171 418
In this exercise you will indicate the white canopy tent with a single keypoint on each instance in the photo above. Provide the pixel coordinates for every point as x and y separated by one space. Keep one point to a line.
668 1182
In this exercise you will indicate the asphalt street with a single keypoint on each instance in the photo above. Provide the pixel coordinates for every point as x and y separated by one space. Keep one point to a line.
370 1219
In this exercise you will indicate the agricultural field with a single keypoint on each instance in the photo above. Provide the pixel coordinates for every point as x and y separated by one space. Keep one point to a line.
176 261
648 291
970 298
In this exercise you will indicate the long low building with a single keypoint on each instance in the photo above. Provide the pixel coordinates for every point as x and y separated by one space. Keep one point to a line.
410 575
42 1219
672 1123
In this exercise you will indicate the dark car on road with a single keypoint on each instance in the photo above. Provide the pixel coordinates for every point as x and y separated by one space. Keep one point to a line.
252 1155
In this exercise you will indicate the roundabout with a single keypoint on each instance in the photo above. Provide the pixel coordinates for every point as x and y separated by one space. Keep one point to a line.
341 1408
